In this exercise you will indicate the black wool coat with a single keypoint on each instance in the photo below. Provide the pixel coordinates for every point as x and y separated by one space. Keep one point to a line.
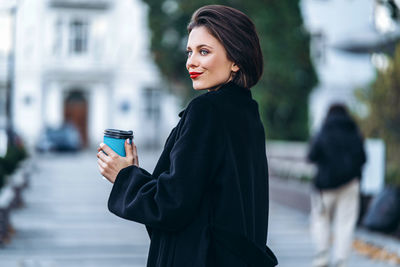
338 151
206 203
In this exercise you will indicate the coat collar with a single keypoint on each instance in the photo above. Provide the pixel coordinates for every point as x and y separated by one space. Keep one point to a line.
228 87
232 87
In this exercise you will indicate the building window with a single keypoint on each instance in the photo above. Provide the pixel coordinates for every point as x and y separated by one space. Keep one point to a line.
152 103
58 37
78 37
318 47
3 97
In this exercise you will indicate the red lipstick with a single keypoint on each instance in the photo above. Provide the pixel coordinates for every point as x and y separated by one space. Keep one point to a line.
194 75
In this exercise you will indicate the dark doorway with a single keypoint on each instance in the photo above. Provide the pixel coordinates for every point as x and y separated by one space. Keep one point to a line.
75 112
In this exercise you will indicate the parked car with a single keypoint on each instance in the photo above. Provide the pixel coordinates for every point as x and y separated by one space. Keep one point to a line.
64 138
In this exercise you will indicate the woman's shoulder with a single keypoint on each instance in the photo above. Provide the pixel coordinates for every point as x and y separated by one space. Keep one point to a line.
203 103
201 110
206 98
198 103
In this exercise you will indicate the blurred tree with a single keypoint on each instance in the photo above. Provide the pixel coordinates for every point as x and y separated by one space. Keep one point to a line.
393 8
382 99
288 77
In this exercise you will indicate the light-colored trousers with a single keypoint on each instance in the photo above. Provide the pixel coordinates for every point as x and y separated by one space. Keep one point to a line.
334 211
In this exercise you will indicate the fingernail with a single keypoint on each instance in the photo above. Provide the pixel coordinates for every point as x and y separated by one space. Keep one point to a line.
129 141
101 144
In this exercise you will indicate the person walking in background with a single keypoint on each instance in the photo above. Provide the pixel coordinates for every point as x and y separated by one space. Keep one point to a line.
338 152
206 203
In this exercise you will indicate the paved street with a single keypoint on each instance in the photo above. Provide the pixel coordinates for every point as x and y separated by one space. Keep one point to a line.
65 222
290 240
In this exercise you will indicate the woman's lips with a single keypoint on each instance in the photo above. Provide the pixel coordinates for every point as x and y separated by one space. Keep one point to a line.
194 75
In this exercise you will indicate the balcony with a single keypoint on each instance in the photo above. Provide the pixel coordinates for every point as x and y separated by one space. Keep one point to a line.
82 4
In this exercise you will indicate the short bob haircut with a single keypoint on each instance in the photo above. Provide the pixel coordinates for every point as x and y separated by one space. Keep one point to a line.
237 34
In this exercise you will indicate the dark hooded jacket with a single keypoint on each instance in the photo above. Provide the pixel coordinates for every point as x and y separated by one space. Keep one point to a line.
338 151
206 203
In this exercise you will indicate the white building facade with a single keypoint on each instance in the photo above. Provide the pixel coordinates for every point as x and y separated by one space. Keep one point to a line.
334 25
340 73
88 62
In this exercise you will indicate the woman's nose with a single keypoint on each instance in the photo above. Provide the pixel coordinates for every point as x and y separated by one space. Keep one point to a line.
192 62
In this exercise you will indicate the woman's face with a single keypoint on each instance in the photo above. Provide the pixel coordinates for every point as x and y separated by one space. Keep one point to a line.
207 62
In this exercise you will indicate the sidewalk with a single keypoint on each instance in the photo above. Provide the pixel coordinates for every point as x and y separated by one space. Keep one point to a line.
289 216
65 222
289 238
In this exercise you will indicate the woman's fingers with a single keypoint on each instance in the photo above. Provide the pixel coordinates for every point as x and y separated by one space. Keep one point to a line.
110 163
101 170
108 150
128 149
101 163
135 155
106 163
103 156
134 151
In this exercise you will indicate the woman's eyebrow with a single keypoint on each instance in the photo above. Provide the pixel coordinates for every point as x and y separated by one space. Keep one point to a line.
199 46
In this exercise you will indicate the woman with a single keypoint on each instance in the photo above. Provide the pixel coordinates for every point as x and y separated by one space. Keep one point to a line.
338 151
206 203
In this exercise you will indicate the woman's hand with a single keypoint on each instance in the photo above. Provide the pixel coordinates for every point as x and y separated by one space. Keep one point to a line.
111 164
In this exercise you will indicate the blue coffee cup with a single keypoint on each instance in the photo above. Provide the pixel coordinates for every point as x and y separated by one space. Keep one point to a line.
115 139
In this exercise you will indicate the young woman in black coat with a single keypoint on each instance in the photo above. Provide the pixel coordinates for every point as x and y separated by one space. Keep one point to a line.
206 203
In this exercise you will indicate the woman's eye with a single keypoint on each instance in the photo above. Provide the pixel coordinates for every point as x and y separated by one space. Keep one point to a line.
188 53
203 52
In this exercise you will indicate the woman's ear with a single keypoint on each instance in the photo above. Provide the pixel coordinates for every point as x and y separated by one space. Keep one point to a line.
234 67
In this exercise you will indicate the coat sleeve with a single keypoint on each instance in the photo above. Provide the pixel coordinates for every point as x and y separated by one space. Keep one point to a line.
170 200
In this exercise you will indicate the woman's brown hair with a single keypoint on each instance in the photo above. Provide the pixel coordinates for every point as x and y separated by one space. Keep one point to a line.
238 35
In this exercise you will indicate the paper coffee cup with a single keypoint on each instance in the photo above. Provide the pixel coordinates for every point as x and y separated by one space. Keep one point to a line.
115 139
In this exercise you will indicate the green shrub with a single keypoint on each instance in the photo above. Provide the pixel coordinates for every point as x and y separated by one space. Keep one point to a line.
15 154
392 176
2 175
382 99
289 75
